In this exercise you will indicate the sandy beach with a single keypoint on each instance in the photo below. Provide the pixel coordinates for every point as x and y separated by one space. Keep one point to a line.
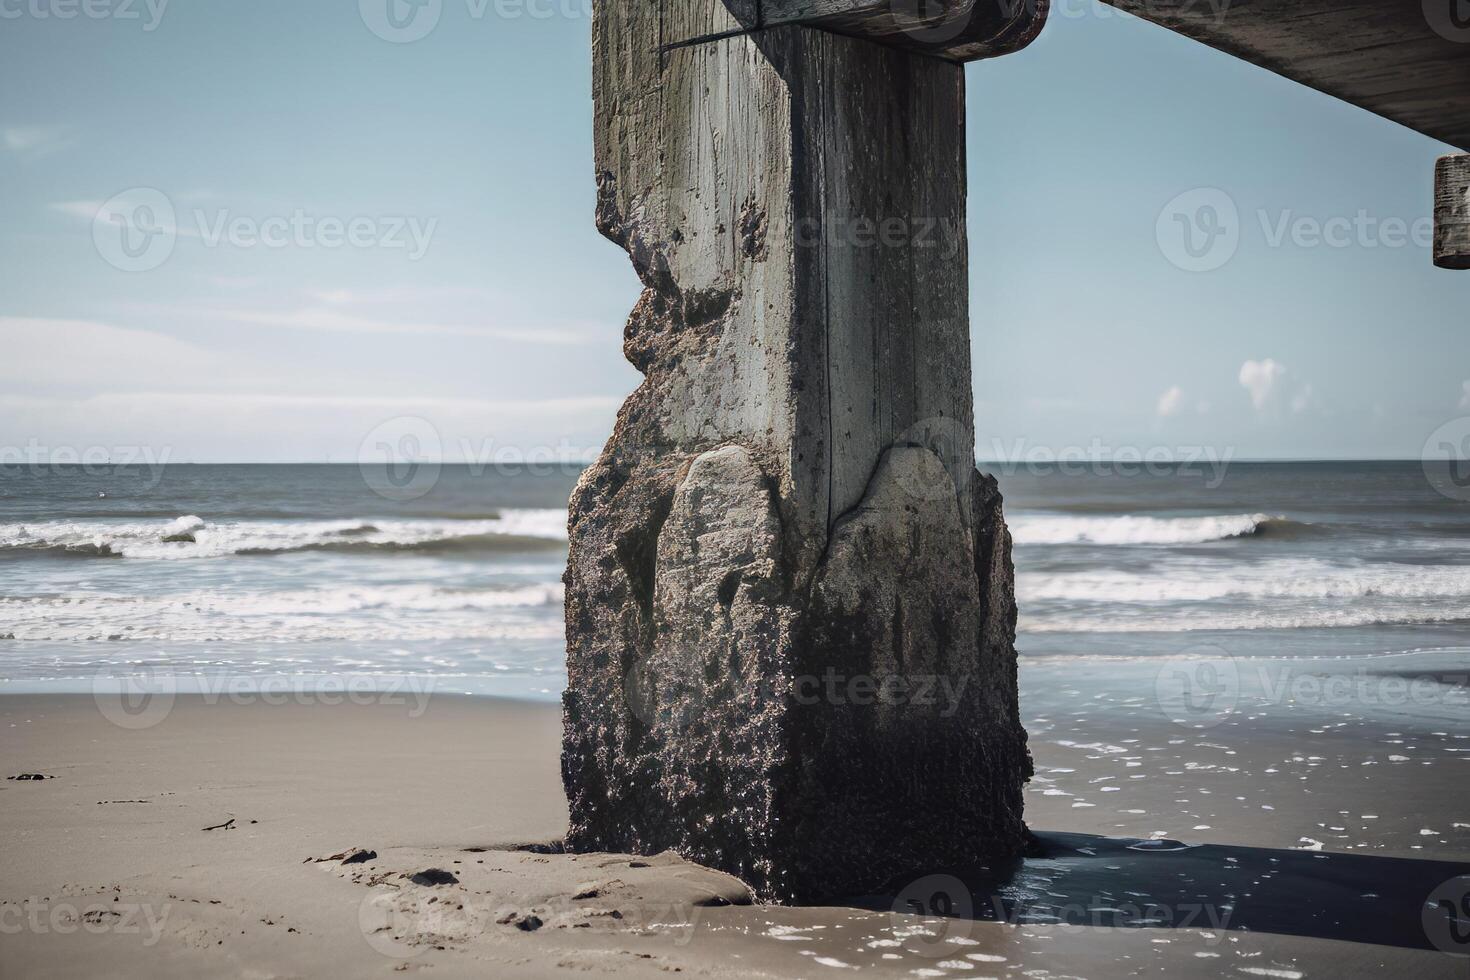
1279 840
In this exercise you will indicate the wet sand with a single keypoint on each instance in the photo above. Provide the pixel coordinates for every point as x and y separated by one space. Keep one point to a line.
1257 836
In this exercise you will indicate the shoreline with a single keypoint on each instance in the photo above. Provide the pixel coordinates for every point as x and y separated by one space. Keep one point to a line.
452 786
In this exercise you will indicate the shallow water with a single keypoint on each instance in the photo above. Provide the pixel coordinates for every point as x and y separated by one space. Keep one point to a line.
304 571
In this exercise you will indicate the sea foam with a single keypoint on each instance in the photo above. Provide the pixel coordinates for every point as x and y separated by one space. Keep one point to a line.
193 537
1128 529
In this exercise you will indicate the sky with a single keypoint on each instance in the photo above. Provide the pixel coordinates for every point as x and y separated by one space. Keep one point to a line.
349 231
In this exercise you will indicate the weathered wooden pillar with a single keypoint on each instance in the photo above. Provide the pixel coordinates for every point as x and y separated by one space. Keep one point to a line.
790 615
1452 212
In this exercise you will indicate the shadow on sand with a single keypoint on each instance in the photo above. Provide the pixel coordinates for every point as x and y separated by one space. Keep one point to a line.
1082 880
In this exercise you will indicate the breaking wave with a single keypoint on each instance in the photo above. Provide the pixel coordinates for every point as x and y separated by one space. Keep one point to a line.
1273 581
1136 530
193 537
1292 594
358 613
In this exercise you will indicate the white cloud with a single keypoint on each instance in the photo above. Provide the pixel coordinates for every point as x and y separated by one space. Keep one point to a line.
82 384
120 210
55 353
234 282
37 140
1263 380
86 210
206 426
1170 402
336 321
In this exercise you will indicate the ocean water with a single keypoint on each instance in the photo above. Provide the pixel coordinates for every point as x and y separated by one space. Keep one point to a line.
307 572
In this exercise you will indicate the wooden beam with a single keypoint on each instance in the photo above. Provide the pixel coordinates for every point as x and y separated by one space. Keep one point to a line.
960 30
1452 212
956 30
1406 60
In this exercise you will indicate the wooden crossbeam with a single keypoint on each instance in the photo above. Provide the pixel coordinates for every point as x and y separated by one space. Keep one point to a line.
957 30
1407 60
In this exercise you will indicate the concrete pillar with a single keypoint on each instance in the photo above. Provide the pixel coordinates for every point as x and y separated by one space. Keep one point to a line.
1452 212
790 614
